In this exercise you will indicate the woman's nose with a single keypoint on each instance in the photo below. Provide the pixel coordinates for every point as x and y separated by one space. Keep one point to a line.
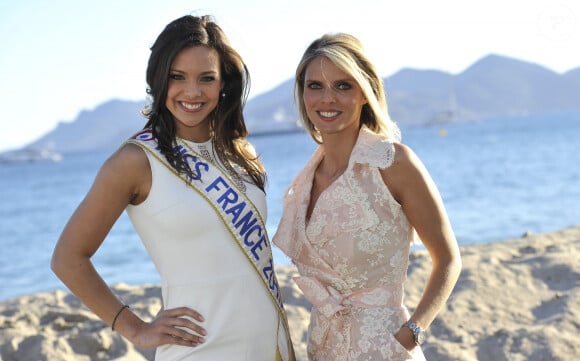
328 95
193 89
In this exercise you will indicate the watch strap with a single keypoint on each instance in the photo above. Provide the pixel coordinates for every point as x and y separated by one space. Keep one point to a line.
418 332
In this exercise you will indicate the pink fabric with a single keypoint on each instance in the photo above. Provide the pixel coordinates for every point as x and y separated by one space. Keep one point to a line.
352 256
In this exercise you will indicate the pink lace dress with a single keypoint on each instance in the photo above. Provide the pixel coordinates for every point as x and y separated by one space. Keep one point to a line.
352 256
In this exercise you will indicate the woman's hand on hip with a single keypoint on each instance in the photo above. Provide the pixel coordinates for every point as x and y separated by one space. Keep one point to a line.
171 327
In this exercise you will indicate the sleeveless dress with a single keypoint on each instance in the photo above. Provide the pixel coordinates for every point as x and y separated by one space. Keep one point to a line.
202 267
352 256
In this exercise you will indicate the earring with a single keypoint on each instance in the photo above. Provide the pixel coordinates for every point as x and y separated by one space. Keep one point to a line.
223 94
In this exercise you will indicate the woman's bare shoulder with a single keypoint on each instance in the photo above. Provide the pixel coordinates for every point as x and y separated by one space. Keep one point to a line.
129 155
128 171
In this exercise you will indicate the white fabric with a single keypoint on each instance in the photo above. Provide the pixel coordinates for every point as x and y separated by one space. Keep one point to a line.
202 267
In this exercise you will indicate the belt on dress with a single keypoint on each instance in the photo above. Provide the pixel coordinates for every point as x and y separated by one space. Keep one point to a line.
331 303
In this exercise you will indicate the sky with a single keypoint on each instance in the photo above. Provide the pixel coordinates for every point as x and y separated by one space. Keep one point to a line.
61 57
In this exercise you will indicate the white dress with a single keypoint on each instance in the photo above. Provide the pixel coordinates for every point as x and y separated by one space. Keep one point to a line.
202 267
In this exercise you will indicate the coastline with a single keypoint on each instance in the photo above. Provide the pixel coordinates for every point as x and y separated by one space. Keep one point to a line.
515 300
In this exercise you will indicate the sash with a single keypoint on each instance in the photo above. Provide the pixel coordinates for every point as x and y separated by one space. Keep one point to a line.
238 214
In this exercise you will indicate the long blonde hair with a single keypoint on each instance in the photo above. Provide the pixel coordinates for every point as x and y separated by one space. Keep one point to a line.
348 54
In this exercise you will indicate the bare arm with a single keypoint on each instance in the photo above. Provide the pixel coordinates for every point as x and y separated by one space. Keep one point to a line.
125 178
412 186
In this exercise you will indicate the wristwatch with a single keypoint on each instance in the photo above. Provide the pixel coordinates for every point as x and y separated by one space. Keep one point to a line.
418 333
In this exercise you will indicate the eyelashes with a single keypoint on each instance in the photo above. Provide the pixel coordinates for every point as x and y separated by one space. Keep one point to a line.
342 85
176 77
203 79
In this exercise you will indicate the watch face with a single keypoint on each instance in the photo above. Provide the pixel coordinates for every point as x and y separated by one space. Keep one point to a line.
420 337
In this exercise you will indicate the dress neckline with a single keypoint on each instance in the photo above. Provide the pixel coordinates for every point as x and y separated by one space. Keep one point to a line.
207 143
207 152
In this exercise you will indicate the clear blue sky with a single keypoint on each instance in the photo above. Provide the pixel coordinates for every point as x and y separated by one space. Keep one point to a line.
60 57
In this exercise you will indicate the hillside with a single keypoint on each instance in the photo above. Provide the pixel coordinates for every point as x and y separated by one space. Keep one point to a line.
493 86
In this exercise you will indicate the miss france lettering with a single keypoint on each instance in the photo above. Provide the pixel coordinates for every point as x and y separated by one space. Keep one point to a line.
234 209
227 198
246 224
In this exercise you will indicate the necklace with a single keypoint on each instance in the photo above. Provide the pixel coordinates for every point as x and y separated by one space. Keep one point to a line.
207 155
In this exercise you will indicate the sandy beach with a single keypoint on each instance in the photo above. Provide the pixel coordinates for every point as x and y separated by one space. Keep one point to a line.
515 300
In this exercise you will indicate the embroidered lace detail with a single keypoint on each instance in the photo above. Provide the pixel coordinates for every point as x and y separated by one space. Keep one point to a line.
377 151
352 255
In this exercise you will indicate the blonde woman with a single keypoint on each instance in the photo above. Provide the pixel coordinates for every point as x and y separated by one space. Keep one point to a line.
353 211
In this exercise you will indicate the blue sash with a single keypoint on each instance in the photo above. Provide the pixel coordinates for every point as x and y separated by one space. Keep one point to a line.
238 214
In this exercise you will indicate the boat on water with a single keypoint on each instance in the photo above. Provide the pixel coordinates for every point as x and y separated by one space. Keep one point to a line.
30 155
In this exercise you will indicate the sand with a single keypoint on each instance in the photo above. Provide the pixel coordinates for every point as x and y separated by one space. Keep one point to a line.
515 300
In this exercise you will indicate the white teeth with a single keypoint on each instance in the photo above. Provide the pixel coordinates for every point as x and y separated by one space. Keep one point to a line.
190 106
329 114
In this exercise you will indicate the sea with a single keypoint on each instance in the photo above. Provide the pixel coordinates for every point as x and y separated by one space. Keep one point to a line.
500 178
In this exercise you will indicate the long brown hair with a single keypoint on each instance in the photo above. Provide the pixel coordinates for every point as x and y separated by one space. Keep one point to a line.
227 119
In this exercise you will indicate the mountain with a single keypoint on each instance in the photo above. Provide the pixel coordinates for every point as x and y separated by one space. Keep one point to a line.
497 85
101 129
419 96
573 76
493 86
273 111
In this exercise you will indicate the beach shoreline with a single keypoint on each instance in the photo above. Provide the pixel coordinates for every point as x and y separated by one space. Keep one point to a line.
515 300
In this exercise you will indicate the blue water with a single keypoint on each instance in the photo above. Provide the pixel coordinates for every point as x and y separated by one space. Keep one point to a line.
499 178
